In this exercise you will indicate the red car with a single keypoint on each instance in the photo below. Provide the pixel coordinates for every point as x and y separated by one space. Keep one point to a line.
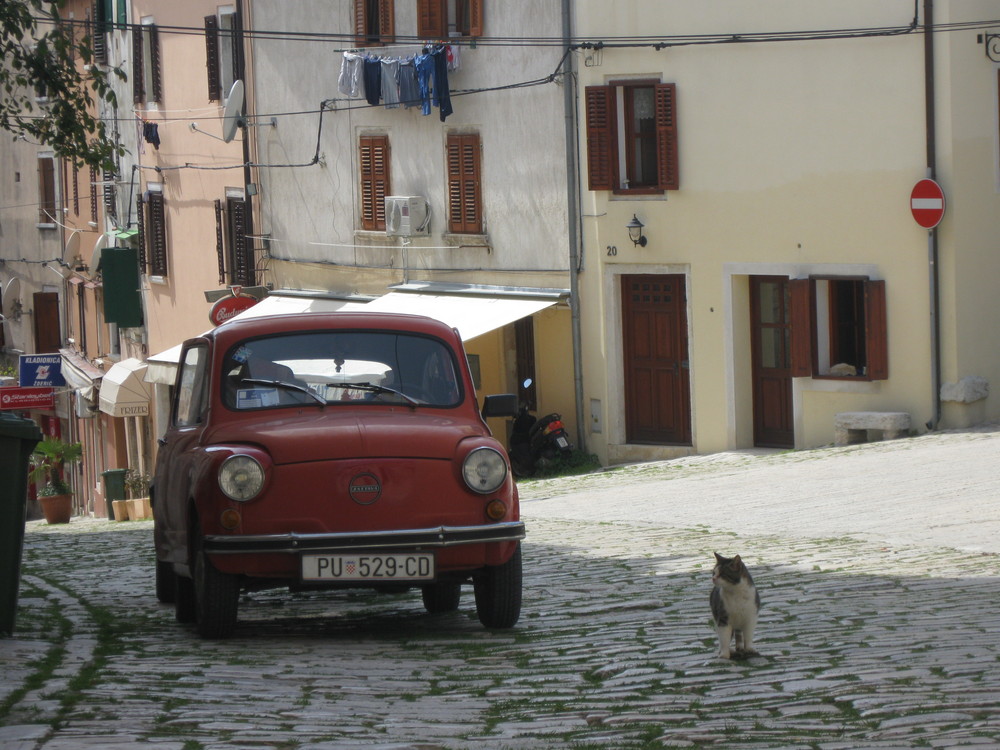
333 450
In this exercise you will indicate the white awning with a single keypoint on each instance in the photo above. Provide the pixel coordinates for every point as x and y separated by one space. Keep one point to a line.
163 366
472 315
279 304
123 391
80 374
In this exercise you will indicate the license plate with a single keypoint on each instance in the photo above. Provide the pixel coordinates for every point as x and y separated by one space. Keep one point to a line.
399 566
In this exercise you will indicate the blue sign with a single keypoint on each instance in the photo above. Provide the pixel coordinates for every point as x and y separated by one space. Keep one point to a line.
40 371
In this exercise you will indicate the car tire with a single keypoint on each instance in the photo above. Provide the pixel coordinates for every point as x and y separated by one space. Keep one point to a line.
498 593
166 585
216 597
184 609
442 596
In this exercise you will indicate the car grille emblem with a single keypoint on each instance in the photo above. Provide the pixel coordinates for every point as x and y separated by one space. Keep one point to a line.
365 489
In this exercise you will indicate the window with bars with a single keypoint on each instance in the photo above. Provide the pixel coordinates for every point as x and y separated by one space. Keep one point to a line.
147 81
465 207
374 164
632 137
374 22
223 51
441 19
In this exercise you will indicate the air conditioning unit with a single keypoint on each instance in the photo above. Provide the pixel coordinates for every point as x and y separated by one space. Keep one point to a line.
406 215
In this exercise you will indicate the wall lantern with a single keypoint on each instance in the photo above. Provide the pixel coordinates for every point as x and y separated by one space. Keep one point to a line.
634 228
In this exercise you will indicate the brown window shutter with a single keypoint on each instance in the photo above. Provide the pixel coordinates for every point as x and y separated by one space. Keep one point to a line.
666 136
475 18
240 255
801 321
876 330
360 23
157 236
212 58
374 161
138 92
601 137
46 190
93 195
154 62
432 19
386 22
220 248
140 225
464 184
96 27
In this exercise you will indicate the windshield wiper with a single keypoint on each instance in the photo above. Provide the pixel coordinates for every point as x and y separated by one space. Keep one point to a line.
287 386
375 388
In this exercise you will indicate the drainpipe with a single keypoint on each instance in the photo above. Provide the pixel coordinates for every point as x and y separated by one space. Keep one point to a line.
932 243
573 211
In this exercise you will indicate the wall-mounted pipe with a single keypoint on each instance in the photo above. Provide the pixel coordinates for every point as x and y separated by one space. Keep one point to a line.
932 243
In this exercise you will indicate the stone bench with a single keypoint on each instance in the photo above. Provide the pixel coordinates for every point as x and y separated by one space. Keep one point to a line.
852 426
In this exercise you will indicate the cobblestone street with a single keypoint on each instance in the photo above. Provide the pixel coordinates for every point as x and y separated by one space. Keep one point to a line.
877 630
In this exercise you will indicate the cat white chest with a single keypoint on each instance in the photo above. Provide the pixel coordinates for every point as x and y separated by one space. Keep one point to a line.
740 603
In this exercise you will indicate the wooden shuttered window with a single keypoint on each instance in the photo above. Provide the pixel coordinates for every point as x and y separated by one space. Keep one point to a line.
603 138
465 210
156 235
140 225
220 247
212 58
46 190
240 252
666 136
876 331
141 33
374 22
374 161
96 26
433 20
804 322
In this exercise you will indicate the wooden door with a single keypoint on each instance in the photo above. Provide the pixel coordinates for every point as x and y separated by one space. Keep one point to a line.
48 337
655 349
771 336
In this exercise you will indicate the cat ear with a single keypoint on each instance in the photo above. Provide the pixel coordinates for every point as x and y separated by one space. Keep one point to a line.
737 560
718 557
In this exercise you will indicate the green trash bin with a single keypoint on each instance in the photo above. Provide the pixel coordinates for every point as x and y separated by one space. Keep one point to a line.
18 438
114 488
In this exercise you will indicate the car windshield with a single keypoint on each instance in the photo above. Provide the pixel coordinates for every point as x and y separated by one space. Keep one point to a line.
340 367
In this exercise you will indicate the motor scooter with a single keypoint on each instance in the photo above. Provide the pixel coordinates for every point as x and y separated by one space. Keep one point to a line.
534 442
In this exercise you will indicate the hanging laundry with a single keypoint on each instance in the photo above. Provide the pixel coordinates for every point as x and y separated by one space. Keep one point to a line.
139 124
373 80
454 60
442 95
409 89
425 70
351 82
390 82
151 134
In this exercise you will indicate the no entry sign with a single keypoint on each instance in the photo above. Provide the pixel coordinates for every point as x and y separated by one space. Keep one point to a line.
927 203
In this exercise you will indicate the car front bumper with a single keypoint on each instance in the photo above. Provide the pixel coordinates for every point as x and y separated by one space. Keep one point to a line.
436 537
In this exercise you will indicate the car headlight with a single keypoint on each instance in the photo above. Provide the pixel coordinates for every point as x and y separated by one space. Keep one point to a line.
484 470
241 477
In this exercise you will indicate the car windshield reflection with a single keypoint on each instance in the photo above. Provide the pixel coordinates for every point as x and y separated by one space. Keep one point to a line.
339 368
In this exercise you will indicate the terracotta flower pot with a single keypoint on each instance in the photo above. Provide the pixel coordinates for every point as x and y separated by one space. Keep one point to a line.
56 508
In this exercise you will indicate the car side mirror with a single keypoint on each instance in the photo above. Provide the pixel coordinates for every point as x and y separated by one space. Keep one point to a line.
500 405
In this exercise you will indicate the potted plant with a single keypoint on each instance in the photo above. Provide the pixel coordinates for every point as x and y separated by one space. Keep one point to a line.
49 462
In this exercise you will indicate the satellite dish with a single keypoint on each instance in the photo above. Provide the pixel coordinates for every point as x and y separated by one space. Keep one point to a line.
73 245
12 300
95 258
232 115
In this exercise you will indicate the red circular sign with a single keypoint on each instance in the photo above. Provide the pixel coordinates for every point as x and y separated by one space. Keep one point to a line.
229 307
365 489
927 203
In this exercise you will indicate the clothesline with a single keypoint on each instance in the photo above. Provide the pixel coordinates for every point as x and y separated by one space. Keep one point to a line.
418 79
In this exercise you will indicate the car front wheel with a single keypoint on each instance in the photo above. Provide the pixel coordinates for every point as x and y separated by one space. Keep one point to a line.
216 597
498 593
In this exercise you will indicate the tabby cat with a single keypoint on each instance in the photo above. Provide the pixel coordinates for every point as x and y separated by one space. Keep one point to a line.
735 603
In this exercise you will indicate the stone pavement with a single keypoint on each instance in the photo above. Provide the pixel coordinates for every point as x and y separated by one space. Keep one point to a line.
877 567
